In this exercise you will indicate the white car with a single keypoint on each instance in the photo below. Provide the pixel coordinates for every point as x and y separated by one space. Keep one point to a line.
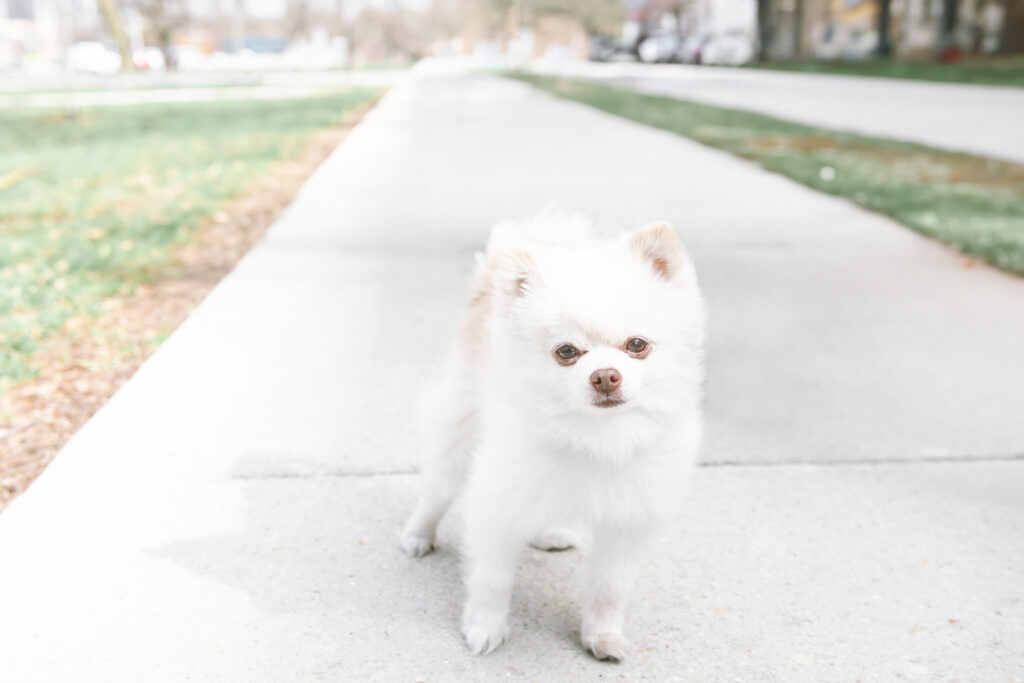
93 58
729 49
659 48
149 59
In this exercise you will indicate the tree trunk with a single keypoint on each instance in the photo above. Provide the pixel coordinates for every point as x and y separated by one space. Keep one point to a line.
947 36
764 29
798 29
163 38
1012 40
112 17
677 11
884 29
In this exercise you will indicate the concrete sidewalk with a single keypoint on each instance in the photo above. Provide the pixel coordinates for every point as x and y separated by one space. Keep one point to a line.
232 513
980 119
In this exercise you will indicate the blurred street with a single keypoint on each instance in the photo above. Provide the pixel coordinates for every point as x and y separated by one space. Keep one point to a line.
979 119
232 513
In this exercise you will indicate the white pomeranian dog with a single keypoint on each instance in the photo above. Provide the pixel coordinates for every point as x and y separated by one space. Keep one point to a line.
571 402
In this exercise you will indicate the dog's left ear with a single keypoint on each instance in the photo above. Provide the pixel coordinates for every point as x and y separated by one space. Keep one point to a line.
517 271
658 246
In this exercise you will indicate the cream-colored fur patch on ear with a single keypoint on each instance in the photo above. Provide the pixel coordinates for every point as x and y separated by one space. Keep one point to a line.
518 271
658 245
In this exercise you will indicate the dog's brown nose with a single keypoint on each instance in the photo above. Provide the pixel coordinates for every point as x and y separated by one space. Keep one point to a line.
606 381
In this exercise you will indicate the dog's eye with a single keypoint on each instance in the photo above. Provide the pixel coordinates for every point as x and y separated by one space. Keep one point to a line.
567 352
636 345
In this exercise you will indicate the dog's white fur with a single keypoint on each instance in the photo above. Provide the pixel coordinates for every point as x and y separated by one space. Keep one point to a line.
521 434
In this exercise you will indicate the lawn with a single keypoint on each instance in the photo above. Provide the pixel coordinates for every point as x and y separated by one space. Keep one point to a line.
93 202
1006 71
972 203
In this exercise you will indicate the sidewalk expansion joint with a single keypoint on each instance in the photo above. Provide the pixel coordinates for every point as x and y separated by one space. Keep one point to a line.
321 475
713 464
924 460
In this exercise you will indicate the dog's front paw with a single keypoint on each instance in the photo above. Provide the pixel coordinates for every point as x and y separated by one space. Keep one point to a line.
484 631
611 647
414 544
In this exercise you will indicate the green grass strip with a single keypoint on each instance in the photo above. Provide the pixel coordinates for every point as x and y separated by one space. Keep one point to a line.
972 203
93 201
1007 72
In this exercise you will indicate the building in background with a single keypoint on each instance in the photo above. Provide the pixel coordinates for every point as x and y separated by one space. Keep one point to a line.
35 33
535 29
49 36
41 35
849 29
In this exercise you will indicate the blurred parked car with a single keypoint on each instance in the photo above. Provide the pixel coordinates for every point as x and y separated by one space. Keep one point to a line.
609 49
691 50
659 48
149 59
93 58
601 48
187 57
730 49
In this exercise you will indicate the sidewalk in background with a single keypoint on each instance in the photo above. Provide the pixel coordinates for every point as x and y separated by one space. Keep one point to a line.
979 119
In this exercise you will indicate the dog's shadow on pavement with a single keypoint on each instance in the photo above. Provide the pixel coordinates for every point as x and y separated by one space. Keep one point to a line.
322 552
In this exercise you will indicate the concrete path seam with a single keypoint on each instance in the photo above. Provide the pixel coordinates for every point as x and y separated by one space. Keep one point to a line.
953 459
316 475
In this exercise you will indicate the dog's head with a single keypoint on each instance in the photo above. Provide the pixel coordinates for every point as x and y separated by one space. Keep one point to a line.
600 329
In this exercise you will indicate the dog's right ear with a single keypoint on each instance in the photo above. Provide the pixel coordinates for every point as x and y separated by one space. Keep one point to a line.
658 246
517 272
